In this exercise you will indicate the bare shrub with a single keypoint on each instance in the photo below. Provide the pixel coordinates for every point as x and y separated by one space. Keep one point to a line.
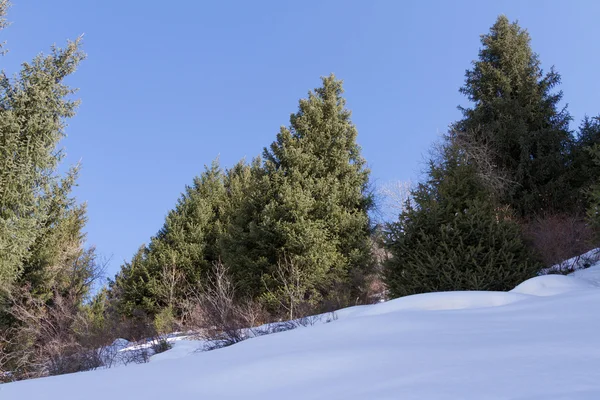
477 151
139 355
376 290
59 336
160 345
309 320
134 329
291 294
392 199
42 341
274 327
218 316
559 237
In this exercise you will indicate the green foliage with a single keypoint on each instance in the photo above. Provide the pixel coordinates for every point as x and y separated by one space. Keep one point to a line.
33 108
451 236
515 117
161 345
316 211
96 312
511 152
43 262
131 289
307 201
165 321
593 211
46 273
180 255
585 169
476 249
248 248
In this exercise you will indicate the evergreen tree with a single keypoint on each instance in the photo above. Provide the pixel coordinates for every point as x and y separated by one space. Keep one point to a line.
317 210
178 258
593 193
515 117
41 226
247 247
584 168
46 273
190 236
452 236
131 289
33 109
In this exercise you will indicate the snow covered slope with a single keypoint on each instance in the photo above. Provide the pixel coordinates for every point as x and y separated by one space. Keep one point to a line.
540 341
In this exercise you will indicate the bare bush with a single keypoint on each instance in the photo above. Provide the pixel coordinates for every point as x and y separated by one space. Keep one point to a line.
139 355
42 341
291 292
274 327
559 237
221 319
315 319
393 197
217 316
160 345
477 151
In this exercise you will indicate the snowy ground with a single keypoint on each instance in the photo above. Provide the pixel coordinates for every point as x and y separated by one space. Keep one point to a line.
540 341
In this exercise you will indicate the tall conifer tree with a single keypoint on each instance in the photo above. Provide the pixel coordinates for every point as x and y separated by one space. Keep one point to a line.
516 118
179 257
319 207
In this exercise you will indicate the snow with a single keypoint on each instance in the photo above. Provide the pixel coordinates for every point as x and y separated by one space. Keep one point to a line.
575 263
445 301
539 341
590 275
181 348
550 285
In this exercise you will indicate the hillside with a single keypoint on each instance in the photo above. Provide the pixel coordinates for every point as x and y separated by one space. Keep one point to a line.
538 341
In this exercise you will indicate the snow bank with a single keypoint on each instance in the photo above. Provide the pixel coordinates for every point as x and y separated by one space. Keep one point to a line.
550 285
445 301
180 349
591 274
575 263
538 342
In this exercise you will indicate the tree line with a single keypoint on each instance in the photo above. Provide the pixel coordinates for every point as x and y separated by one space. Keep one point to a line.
508 191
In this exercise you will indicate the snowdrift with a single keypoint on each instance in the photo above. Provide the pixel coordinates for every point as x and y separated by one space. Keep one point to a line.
539 341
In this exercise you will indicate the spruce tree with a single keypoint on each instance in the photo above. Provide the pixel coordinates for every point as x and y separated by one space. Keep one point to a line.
131 289
453 236
180 255
317 213
248 248
190 235
515 117
34 106
584 168
46 272
593 194
41 225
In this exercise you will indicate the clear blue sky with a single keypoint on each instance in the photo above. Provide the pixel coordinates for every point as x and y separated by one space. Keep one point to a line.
169 86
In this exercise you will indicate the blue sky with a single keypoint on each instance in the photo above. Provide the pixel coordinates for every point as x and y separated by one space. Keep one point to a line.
169 86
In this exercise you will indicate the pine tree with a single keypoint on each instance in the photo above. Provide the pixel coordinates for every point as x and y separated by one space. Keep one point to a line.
46 273
584 168
593 194
452 235
131 289
318 209
33 109
190 235
181 254
516 118
247 247
41 225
